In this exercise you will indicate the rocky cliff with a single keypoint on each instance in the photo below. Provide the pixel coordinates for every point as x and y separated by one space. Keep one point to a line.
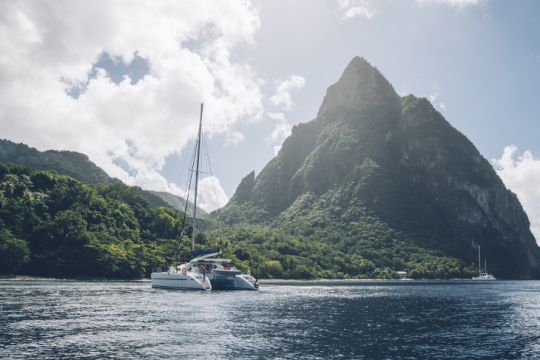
374 159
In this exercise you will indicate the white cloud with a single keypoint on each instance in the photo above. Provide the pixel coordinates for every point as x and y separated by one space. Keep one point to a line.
281 130
211 194
282 97
521 174
234 138
283 101
435 100
352 8
454 3
47 46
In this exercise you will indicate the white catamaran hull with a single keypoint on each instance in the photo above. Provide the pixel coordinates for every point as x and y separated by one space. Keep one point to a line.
179 281
487 277
244 282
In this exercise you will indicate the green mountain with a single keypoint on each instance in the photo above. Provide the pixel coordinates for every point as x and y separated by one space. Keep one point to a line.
69 163
61 215
177 202
384 183
77 166
54 225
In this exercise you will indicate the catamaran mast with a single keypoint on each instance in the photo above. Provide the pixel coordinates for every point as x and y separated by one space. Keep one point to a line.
196 180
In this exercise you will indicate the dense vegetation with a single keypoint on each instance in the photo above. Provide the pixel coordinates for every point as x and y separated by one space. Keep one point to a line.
328 241
57 226
75 165
68 163
54 225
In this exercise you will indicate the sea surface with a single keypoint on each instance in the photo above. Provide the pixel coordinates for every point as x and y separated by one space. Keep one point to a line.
120 320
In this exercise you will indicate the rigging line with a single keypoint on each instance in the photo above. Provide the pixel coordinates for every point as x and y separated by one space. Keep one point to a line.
205 140
196 179
205 145
186 202
189 178
188 182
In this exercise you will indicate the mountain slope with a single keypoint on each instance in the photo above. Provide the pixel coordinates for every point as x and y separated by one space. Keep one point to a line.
378 170
177 202
70 163
77 166
54 225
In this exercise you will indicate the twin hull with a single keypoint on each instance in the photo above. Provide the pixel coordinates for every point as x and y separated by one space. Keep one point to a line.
217 281
180 281
232 280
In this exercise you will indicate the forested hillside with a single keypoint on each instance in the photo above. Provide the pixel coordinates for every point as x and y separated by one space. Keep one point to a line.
77 166
69 163
55 225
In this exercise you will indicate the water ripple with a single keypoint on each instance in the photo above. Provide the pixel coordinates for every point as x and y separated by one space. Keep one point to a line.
119 320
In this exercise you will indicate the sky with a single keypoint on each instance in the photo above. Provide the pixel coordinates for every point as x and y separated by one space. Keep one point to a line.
121 81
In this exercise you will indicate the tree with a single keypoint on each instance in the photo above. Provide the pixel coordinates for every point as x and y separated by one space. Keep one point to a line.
14 252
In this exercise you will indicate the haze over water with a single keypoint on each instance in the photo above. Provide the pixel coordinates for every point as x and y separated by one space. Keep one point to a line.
66 319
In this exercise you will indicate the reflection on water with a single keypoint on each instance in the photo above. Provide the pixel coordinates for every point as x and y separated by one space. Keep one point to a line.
47 319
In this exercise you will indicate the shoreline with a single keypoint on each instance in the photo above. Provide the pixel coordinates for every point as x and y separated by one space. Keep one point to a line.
275 282
48 278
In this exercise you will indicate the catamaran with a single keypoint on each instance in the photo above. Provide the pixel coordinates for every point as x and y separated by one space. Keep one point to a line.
222 274
483 275
186 276
203 271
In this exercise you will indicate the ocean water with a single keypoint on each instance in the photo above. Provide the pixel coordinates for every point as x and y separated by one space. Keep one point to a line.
94 320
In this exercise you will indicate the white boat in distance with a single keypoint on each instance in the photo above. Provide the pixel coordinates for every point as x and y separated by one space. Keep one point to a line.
483 275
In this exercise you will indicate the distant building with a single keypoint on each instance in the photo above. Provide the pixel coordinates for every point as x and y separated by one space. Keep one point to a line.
402 274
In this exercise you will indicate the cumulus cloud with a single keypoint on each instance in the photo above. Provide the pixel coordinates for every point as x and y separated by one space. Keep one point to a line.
234 138
435 100
211 194
521 174
282 96
282 130
352 8
49 48
282 100
454 3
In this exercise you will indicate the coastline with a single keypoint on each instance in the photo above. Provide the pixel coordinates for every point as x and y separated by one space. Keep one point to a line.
273 282
365 282
48 278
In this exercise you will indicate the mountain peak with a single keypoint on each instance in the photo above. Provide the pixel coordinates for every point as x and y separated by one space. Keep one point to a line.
360 86
376 171
359 62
